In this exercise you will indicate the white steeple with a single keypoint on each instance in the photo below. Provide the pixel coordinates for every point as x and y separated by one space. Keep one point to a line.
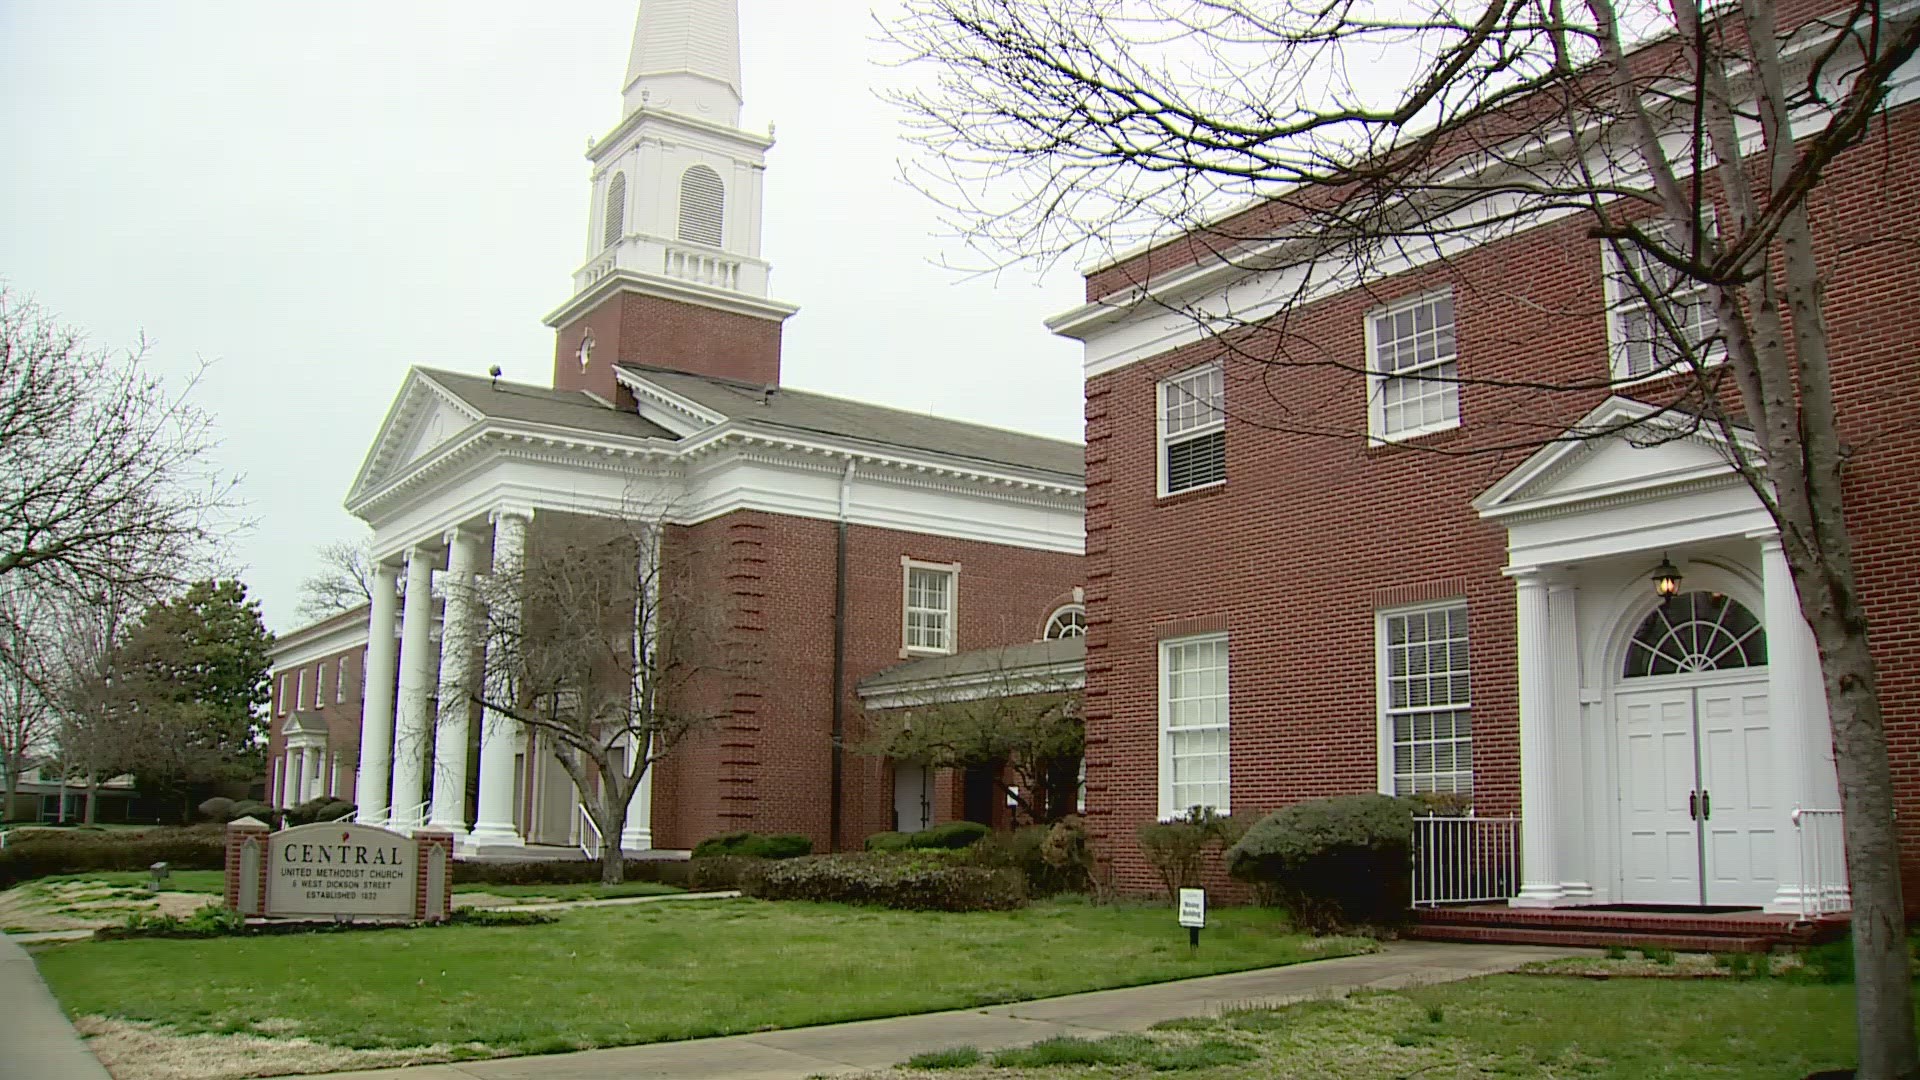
686 59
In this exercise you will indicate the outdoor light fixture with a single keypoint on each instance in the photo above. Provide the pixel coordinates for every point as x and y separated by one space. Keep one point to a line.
1666 579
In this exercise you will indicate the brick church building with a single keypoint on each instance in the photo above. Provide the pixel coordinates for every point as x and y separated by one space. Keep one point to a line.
843 538
1347 574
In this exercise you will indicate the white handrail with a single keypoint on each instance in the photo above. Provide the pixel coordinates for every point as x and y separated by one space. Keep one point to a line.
1824 885
586 822
1463 860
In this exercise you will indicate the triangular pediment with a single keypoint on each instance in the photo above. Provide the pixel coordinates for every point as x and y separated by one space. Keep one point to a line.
1622 449
424 418
303 723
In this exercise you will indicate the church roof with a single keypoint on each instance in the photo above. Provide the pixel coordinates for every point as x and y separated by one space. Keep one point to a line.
823 414
502 400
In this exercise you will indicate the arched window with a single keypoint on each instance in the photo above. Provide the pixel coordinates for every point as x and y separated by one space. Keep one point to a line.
616 219
1069 621
703 204
1700 631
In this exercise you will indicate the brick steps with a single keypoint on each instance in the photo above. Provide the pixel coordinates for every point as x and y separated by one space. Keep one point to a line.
1595 939
1678 930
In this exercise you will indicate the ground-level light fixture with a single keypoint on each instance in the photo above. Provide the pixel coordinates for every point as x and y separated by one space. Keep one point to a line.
1666 579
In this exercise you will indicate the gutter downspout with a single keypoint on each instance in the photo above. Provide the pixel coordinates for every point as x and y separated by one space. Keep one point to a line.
837 781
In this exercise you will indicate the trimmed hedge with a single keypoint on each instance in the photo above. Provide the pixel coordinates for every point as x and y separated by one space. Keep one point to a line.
1025 850
35 853
721 872
748 845
567 872
910 884
954 834
1332 862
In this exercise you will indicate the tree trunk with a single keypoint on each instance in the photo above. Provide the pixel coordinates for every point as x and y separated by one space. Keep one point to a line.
93 798
612 820
1883 986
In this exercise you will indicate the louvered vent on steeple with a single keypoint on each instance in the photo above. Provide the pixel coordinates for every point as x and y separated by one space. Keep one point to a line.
703 201
616 219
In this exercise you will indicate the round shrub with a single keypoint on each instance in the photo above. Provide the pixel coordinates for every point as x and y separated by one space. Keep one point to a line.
217 809
952 835
1332 862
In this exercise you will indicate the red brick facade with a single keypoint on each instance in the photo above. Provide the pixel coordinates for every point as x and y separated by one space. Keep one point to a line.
632 328
337 681
1314 531
767 766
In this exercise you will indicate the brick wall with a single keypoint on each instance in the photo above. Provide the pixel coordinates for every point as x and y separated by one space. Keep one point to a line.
343 717
766 764
1314 530
629 328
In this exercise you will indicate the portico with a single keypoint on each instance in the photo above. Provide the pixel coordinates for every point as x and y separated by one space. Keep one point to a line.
1666 743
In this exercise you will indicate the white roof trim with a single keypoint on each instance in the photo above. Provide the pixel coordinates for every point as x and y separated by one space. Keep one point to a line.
1516 492
975 686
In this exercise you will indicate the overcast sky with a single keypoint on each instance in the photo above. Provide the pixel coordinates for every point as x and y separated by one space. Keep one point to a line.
315 194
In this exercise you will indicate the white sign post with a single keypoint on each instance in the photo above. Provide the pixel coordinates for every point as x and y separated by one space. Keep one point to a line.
339 871
1193 914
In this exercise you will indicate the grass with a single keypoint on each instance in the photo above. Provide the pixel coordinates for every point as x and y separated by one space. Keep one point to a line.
1503 1025
958 1057
580 891
211 882
617 976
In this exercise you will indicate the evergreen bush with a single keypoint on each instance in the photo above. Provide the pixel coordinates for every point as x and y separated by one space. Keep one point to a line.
952 835
749 845
910 882
1332 862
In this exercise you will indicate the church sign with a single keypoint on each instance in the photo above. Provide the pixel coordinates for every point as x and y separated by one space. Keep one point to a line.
332 870
339 870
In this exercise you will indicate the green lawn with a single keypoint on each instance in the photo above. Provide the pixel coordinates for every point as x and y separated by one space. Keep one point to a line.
211 882
613 976
1504 1025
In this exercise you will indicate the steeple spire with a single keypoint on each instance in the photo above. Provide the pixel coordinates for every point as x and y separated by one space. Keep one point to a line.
686 59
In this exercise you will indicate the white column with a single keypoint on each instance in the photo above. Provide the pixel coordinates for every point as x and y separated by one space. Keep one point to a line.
286 778
638 834
299 777
456 684
413 734
1539 837
376 702
1802 739
493 824
1574 851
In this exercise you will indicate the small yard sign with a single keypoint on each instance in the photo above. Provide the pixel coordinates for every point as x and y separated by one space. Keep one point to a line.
1193 908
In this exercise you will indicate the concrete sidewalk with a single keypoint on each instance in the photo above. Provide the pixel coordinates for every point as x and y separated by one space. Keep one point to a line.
36 1042
842 1049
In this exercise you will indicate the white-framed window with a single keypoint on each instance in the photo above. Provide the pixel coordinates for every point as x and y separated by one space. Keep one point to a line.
286 693
1193 429
300 688
703 206
1068 620
1413 370
1652 307
1193 725
1426 702
340 680
929 607
615 223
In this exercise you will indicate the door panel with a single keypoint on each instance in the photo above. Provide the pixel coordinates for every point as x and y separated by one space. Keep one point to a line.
1660 850
1736 766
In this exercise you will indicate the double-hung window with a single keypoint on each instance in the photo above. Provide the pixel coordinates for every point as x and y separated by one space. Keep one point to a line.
1413 371
1193 724
1193 430
931 605
1426 702
340 680
1658 316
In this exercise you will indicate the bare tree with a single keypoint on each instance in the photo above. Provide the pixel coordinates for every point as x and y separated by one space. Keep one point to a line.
84 684
1330 140
603 644
343 582
104 477
1011 717
26 706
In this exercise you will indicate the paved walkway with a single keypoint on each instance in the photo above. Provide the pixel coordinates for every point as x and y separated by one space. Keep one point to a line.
842 1049
36 1042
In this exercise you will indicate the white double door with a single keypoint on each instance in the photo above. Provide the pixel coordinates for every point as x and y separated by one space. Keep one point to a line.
1698 820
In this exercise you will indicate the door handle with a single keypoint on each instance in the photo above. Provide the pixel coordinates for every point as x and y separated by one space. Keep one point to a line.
1693 806
1706 806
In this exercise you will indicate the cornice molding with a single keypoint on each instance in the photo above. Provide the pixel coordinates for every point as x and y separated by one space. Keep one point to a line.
666 288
